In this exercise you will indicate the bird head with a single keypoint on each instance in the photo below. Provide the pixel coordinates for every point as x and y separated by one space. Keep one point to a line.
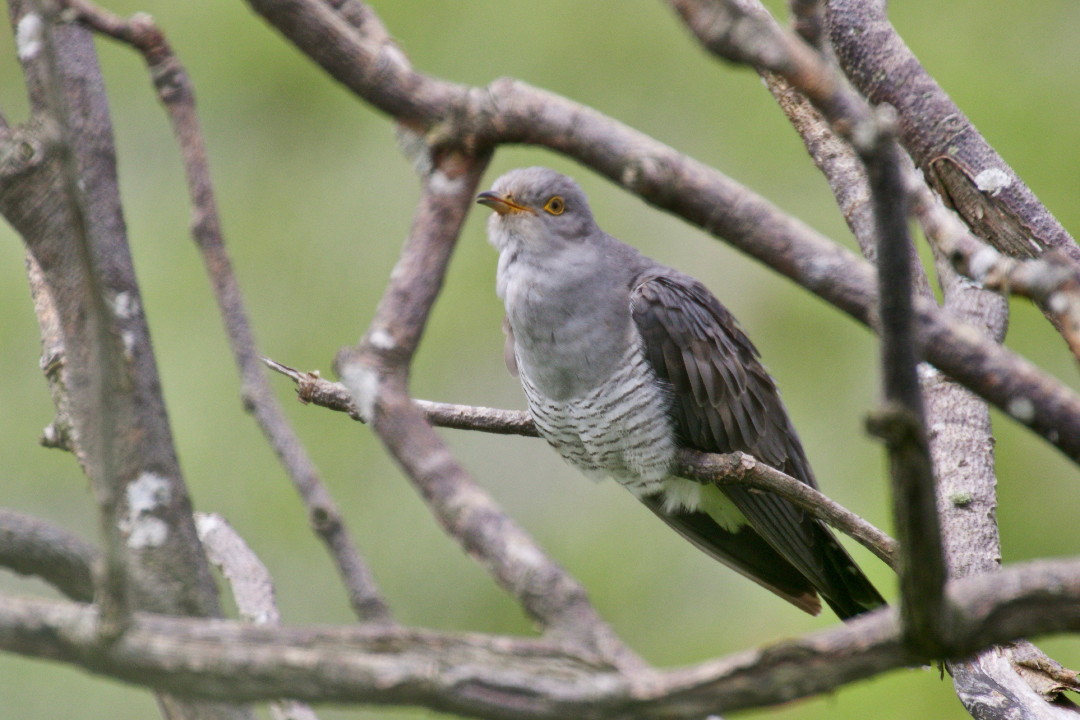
537 209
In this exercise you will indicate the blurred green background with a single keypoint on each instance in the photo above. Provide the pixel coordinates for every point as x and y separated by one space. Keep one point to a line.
316 200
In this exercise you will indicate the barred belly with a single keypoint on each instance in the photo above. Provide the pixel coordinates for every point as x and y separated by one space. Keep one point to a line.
619 429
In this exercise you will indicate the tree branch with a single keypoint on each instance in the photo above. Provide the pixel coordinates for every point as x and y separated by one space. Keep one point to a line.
65 204
175 91
496 677
30 546
743 31
252 588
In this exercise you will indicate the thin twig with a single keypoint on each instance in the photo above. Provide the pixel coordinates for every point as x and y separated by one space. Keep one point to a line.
914 499
177 96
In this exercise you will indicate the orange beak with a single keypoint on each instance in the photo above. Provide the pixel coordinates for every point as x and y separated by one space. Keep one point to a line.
501 204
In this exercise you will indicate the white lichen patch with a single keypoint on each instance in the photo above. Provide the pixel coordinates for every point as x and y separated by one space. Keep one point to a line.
442 184
363 383
982 262
1058 303
206 523
125 305
148 532
992 181
380 339
128 339
1022 409
28 36
146 495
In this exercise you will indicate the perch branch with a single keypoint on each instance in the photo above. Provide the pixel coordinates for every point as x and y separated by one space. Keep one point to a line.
704 467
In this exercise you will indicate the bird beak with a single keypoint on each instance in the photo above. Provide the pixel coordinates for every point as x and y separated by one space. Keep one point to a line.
501 204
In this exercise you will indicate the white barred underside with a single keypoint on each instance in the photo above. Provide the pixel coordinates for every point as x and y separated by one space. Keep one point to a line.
620 429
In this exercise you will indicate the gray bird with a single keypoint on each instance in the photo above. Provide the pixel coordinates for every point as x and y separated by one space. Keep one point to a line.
624 361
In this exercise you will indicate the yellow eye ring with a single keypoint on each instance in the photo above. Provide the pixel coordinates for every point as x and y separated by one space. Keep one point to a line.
555 205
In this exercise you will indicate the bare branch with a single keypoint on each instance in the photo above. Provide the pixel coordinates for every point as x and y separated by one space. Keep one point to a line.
177 95
104 372
740 468
94 300
922 562
30 546
969 175
490 677
1052 281
313 388
960 439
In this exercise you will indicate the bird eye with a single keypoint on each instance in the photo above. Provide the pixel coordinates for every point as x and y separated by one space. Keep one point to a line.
555 205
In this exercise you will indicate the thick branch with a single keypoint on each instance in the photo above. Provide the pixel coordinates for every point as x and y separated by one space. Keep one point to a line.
497 677
91 287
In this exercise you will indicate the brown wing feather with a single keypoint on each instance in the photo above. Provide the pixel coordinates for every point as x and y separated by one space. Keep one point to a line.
724 401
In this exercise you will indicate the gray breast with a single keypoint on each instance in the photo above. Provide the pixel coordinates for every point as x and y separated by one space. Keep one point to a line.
621 428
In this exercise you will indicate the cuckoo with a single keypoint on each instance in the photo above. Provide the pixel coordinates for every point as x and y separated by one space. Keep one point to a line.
624 361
